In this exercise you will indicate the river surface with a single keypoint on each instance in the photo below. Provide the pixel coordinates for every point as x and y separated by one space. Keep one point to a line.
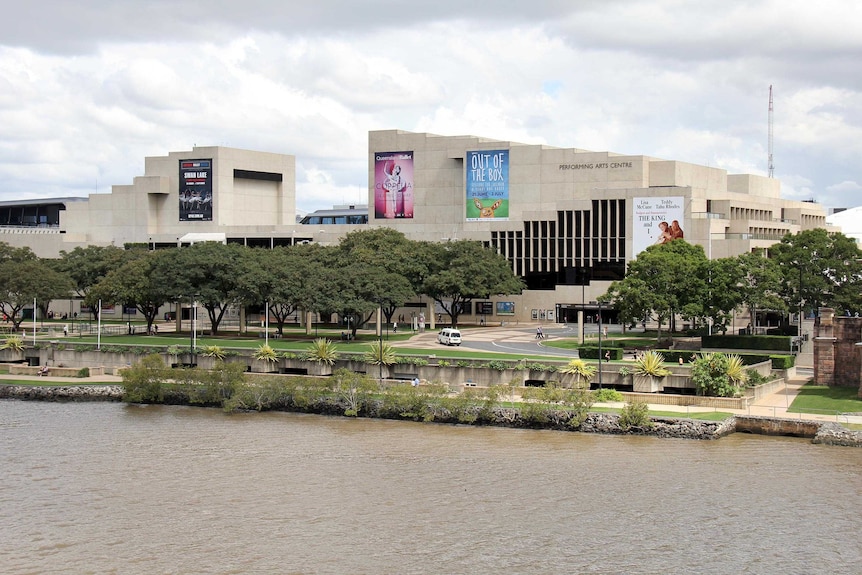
109 488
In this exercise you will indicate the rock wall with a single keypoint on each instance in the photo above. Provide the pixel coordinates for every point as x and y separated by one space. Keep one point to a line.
62 392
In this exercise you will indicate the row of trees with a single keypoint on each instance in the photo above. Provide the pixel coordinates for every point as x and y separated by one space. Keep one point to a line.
366 270
808 270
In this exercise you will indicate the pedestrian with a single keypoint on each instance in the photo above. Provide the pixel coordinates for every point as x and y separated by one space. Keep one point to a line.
607 356
395 327
415 382
65 330
155 328
539 333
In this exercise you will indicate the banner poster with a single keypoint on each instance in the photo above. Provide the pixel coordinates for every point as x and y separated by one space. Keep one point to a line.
393 185
505 308
657 221
487 185
196 191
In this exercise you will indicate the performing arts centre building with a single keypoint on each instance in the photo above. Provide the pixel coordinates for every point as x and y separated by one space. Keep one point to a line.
567 219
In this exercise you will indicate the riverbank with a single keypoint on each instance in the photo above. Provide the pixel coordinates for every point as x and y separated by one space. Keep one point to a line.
820 432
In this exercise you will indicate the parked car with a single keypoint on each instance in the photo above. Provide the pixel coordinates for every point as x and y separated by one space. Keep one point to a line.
449 336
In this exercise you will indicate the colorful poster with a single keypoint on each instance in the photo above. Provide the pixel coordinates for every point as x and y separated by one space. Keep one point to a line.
196 191
657 221
487 185
505 308
393 185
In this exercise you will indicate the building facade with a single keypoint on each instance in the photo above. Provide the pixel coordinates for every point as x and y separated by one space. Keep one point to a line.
569 220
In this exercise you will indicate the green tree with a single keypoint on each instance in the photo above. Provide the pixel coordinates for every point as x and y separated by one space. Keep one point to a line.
760 278
137 282
463 270
724 278
208 273
25 278
390 252
663 281
282 278
87 266
819 269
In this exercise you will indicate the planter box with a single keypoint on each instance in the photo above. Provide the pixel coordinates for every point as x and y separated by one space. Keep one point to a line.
648 384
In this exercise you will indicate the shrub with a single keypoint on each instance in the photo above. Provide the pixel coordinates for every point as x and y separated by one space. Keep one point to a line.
381 353
176 350
353 389
266 353
754 377
216 386
84 372
498 365
765 342
142 382
322 350
607 395
539 367
650 363
213 351
592 352
712 375
635 414
782 361
582 370
14 343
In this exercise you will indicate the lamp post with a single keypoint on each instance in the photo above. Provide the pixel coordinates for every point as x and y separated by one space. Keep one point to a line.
799 325
600 344
380 342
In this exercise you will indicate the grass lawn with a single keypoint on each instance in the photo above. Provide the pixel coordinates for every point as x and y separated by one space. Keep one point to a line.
299 342
824 399
626 342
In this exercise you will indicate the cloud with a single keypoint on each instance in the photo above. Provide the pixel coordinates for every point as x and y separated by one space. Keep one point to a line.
88 90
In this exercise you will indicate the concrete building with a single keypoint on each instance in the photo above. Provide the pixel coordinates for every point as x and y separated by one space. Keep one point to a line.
568 219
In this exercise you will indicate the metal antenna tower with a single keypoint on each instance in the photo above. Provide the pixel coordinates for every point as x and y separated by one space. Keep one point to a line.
771 165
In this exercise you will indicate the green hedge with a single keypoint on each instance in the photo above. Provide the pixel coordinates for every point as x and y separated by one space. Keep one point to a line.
778 361
783 361
764 342
592 352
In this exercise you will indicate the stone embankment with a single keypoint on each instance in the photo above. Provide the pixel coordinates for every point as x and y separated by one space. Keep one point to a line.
62 392
660 427
834 434
827 433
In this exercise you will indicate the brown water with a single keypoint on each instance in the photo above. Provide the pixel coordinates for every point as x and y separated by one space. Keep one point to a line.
108 488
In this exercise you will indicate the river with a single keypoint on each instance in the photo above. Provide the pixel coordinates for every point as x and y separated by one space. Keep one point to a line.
110 488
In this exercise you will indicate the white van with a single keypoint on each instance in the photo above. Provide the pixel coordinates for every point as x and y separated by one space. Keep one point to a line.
449 336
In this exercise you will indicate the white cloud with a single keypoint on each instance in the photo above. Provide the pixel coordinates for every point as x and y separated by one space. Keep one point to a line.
85 96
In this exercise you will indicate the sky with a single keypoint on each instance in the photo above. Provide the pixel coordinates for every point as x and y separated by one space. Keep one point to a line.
90 88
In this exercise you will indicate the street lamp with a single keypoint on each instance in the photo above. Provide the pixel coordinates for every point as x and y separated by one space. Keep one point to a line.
600 344
380 342
799 325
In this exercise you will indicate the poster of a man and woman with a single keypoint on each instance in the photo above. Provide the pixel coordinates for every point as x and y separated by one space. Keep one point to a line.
393 185
487 186
657 221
